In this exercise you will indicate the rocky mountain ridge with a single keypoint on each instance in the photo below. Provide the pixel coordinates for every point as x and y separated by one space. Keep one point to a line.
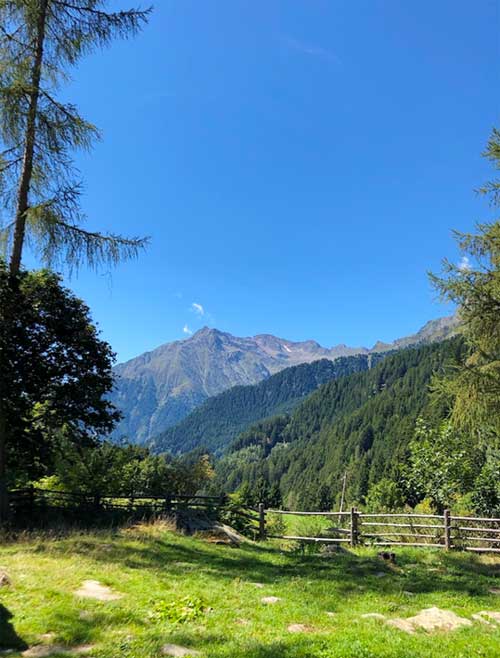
159 388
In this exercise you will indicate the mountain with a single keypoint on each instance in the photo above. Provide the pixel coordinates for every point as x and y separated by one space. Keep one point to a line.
360 424
222 417
158 389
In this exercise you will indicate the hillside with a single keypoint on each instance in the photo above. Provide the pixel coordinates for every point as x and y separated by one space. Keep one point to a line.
158 389
360 424
221 418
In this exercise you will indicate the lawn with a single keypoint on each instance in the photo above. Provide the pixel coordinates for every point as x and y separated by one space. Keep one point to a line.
186 591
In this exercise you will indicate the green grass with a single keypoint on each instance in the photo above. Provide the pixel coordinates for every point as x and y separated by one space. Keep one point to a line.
186 591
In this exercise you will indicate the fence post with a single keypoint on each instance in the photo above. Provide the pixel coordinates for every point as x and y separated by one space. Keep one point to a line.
262 522
447 529
354 526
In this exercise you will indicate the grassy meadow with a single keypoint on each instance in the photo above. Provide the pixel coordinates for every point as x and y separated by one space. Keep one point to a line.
207 597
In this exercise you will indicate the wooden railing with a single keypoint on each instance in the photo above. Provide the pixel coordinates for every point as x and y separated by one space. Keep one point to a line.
31 506
476 534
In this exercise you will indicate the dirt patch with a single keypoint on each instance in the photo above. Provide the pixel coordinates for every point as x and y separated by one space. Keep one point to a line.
430 619
178 651
299 628
92 589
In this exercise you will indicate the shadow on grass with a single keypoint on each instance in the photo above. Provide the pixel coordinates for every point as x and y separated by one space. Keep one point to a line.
9 639
265 563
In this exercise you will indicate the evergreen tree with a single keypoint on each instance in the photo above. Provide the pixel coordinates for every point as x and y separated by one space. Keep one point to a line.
39 41
474 285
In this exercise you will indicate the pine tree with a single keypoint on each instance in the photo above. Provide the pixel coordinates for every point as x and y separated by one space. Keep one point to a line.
474 285
40 40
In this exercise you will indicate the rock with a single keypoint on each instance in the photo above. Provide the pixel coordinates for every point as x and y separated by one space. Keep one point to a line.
92 589
258 585
270 600
5 580
177 651
494 590
372 615
489 614
430 619
299 628
380 574
45 650
481 620
330 614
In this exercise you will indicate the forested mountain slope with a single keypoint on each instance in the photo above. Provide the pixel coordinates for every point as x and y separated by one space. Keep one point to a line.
221 418
360 424
158 389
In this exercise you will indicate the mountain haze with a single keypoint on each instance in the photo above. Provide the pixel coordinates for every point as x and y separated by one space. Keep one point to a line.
159 388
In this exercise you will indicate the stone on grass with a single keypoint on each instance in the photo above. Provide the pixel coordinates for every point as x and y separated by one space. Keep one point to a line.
5 580
92 589
178 651
494 590
331 614
372 615
270 600
299 628
490 615
46 650
430 619
258 585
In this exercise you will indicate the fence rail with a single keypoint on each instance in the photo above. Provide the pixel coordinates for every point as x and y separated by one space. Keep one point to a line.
30 506
399 529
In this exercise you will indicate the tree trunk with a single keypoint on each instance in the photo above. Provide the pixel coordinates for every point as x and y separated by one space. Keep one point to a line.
22 204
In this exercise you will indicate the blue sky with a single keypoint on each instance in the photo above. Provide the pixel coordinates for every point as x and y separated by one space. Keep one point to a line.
298 164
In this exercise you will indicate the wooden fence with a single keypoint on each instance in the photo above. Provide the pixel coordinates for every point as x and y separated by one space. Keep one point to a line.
476 534
32 506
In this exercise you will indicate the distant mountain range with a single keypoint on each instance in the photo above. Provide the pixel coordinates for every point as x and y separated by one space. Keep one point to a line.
218 421
158 389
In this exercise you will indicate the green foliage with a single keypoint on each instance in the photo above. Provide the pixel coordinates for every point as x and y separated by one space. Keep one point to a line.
111 470
56 372
443 464
223 417
485 496
181 611
385 496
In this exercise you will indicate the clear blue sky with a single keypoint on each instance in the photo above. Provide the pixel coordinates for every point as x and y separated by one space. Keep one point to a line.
298 164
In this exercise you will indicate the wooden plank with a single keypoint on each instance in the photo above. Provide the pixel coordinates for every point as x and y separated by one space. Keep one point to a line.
397 534
280 511
474 518
494 540
481 550
400 515
438 526
468 528
322 540
404 543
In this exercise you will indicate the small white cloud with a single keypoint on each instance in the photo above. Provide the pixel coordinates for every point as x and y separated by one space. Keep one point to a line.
187 330
464 264
197 308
